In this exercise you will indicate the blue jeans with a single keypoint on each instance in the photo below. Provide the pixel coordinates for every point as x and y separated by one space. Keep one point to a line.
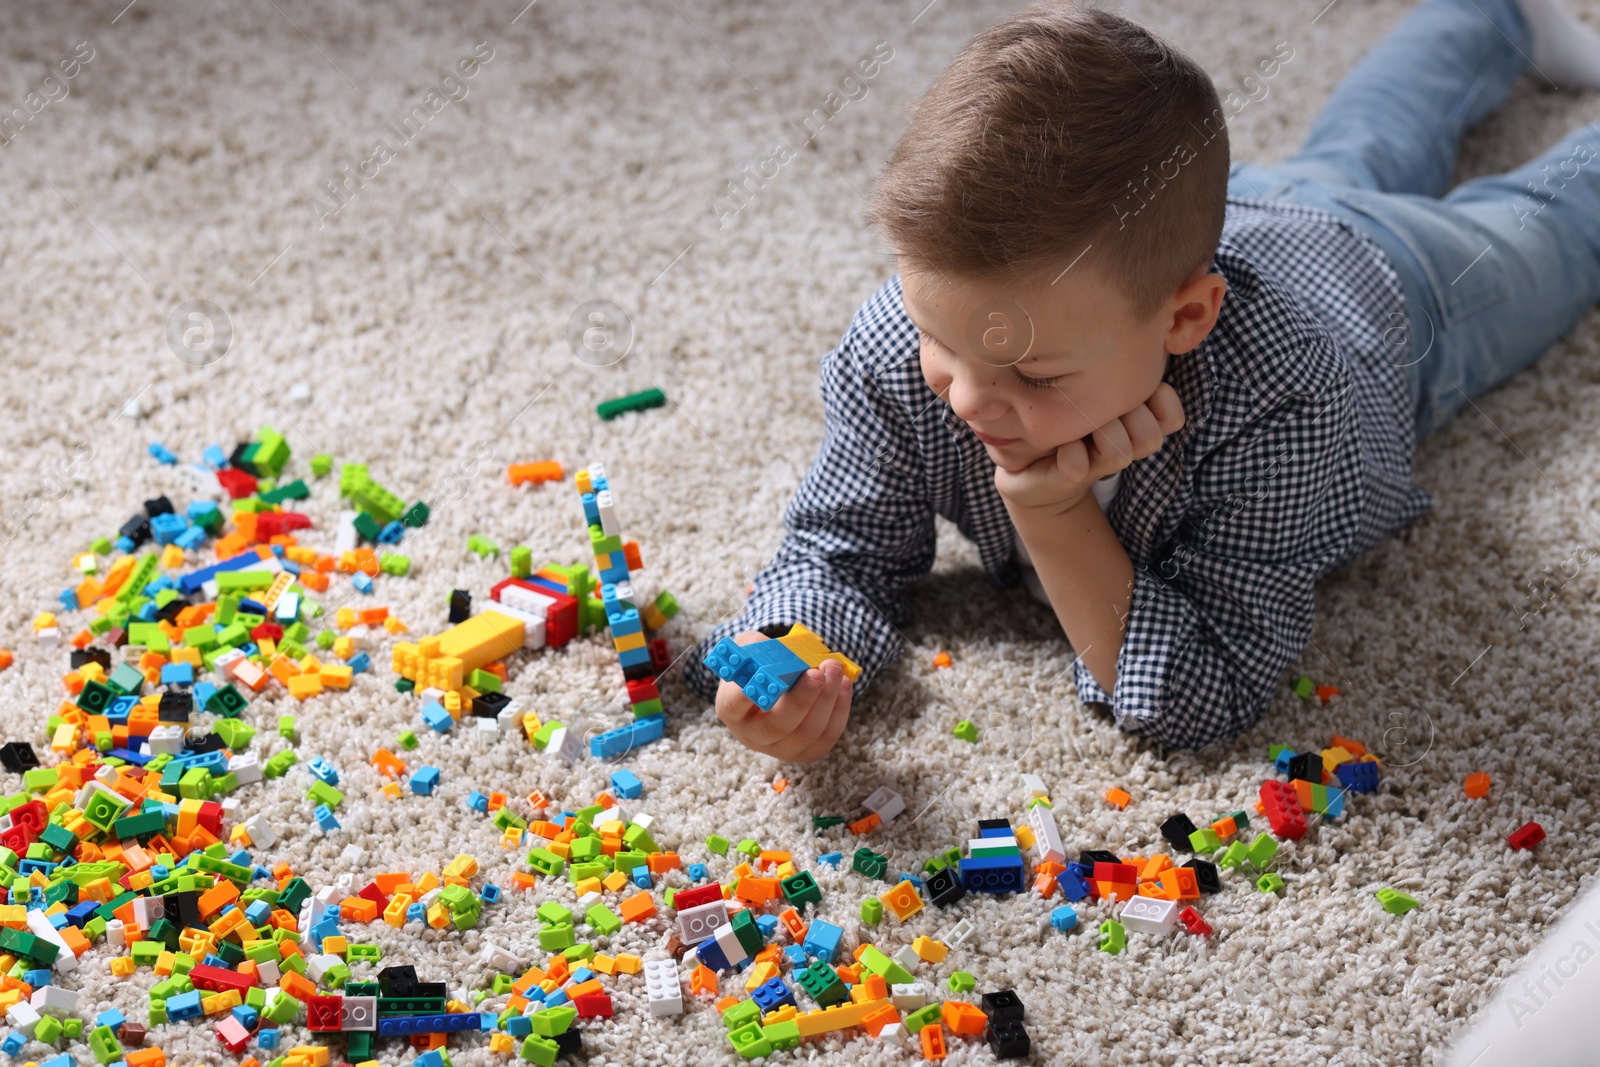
1496 270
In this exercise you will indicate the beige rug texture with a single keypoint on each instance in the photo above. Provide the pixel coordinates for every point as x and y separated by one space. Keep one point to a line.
419 325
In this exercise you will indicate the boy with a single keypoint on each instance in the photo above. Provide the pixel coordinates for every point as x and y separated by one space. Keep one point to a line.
1168 392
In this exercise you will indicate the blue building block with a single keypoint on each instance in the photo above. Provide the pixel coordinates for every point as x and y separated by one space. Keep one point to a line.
519 1026
1072 885
325 819
991 874
772 995
822 939
478 802
436 717
392 533
764 670
359 663
191 539
710 953
162 453
110 1017
832 859
768 925
1064 918
214 457
424 779
431 1058
490 893
13 1043
167 528
696 872
177 674
796 955
641 876
322 770
626 784
1282 760
417 912
184 1006
1358 777
625 738
268 1038
363 584
69 599
247 1016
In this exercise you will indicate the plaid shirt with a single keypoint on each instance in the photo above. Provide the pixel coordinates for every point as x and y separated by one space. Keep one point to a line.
1296 457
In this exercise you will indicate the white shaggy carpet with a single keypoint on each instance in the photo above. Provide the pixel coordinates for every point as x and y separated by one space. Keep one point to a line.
421 330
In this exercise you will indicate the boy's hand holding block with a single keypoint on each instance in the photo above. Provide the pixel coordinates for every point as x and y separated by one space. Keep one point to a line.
788 697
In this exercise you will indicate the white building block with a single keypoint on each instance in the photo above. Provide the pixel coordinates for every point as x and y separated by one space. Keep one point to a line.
499 959
663 987
702 921
247 765
1147 915
1046 838
909 996
22 1016
885 803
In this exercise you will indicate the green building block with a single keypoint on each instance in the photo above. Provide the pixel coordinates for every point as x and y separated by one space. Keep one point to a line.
927 1015
718 844
1261 851
1113 937
750 1040
286 727
521 561
1269 882
408 740
962 982
321 464
482 547
640 401
1395 902
872 911
1303 688
966 731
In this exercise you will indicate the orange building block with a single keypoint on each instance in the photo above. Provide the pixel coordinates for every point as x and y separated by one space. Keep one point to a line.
638 908
1477 785
932 1037
963 1018
1119 797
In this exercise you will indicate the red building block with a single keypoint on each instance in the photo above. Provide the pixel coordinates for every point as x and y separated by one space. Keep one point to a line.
323 1013
1192 922
1282 810
1526 836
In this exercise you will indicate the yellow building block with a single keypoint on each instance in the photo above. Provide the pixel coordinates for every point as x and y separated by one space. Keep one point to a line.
930 951
302 686
839 1017
808 646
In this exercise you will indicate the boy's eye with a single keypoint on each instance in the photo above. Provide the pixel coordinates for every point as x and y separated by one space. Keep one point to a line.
1037 383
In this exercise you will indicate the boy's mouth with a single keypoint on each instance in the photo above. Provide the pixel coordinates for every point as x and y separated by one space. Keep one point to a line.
995 442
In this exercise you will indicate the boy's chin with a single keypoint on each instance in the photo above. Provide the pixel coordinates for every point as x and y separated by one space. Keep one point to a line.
1014 458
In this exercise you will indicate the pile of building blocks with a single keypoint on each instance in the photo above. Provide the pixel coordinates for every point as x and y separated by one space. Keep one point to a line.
130 839
765 670
461 670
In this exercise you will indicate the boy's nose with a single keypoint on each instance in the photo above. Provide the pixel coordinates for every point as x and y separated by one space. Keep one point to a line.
973 400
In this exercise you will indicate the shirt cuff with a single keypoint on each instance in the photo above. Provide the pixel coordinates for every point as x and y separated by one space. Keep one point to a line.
1159 625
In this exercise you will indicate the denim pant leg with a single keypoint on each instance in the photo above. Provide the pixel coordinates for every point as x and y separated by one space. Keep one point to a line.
1493 274
1395 122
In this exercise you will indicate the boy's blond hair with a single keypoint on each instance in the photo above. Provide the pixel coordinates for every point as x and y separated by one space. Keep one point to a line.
1059 129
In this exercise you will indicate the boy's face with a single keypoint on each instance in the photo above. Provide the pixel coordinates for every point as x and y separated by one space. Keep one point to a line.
1032 366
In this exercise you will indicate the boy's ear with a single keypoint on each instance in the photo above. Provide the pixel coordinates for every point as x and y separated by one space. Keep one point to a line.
1193 312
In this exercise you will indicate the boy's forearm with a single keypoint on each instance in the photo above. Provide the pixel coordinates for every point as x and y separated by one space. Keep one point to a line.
1088 577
